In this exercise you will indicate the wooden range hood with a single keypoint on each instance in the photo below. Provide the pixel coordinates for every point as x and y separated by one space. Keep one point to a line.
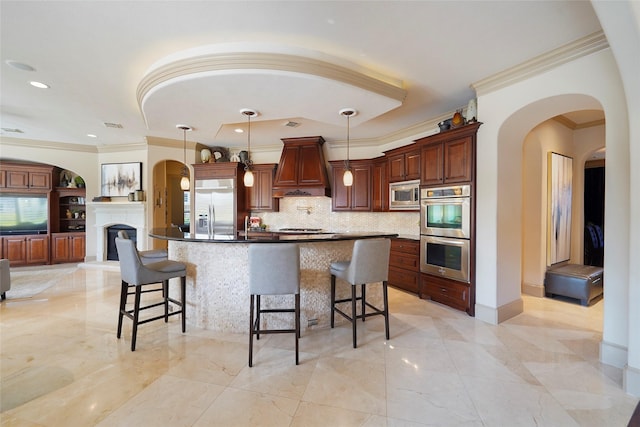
302 170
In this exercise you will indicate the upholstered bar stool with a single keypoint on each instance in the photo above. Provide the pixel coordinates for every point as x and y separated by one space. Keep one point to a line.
369 264
137 275
153 255
274 269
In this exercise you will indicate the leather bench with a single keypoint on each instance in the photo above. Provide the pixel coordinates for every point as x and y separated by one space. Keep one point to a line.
583 282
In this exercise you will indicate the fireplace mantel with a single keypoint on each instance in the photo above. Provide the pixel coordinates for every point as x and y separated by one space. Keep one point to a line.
107 214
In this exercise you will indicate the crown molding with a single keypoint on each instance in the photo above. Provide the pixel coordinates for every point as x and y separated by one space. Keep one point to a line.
119 148
47 145
567 53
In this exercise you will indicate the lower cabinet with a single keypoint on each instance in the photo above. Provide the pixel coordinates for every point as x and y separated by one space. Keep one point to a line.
67 247
449 292
404 265
26 250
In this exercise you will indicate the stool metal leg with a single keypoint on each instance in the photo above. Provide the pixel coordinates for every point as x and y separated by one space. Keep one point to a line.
183 299
136 316
257 317
354 318
364 303
251 332
124 290
297 333
165 296
333 299
386 308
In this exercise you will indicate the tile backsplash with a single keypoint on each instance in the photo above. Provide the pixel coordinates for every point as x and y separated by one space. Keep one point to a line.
315 212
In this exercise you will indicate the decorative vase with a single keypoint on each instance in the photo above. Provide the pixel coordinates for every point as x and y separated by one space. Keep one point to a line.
205 155
472 111
457 120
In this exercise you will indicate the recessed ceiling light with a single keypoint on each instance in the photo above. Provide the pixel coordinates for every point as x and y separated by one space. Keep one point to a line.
238 130
90 135
19 65
39 85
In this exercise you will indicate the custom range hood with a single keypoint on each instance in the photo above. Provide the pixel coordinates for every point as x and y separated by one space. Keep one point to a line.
302 170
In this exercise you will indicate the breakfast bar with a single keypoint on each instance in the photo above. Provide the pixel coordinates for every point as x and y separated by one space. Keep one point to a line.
218 275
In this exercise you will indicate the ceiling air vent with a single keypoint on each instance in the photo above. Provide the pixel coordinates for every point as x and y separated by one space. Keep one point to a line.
11 130
113 125
292 124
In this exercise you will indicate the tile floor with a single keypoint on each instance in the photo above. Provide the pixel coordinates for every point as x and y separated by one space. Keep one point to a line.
61 365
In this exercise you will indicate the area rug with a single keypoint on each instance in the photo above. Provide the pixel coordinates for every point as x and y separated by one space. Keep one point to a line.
28 282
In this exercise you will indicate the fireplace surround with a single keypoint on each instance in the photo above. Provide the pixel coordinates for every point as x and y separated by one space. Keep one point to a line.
108 214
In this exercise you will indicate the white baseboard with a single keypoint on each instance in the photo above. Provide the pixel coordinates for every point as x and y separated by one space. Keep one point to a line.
613 354
533 289
631 381
495 316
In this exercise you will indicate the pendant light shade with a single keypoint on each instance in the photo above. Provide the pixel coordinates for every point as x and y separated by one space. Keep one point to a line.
248 174
184 181
347 177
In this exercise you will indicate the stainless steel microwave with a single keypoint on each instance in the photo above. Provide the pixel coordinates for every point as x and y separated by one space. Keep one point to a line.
404 196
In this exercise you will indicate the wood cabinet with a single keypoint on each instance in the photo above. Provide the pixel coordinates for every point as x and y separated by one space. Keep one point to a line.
358 196
67 247
22 177
448 157
260 196
404 163
68 210
404 264
26 250
302 170
379 185
449 292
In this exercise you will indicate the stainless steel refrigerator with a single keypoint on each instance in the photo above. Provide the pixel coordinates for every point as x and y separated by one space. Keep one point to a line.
215 209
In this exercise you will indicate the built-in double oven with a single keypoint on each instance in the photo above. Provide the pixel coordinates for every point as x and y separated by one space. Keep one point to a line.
445 228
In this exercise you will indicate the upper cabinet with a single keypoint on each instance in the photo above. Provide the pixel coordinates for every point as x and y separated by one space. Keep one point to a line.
404 163
25 177
448 157
302 169
380 185
356 197
259 197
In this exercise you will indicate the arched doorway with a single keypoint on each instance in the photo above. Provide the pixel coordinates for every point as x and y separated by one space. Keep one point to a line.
556 135
170 202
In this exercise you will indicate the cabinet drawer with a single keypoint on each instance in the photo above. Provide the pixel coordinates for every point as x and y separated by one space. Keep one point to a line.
404 260
405 245
404 279
451 293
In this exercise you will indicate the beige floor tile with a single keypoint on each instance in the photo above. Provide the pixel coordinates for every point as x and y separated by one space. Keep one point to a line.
61 364
240 408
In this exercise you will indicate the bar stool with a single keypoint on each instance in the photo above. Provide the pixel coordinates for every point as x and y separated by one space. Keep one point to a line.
369 264
153 255
136 274
274 269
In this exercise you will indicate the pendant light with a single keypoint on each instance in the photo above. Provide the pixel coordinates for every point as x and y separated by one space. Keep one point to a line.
347 177
184 181
248 174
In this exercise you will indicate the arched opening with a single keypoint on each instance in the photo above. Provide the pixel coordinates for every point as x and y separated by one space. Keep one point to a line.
170 202
577 142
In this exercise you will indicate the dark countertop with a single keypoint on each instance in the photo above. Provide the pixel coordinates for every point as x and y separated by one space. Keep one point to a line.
267 237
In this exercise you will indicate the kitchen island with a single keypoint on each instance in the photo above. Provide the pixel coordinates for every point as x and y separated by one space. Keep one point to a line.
218 276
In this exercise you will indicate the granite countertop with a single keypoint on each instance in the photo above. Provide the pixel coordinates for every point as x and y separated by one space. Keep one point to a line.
268 237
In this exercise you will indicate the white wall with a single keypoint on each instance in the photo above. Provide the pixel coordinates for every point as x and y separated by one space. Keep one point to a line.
511 113
621 24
